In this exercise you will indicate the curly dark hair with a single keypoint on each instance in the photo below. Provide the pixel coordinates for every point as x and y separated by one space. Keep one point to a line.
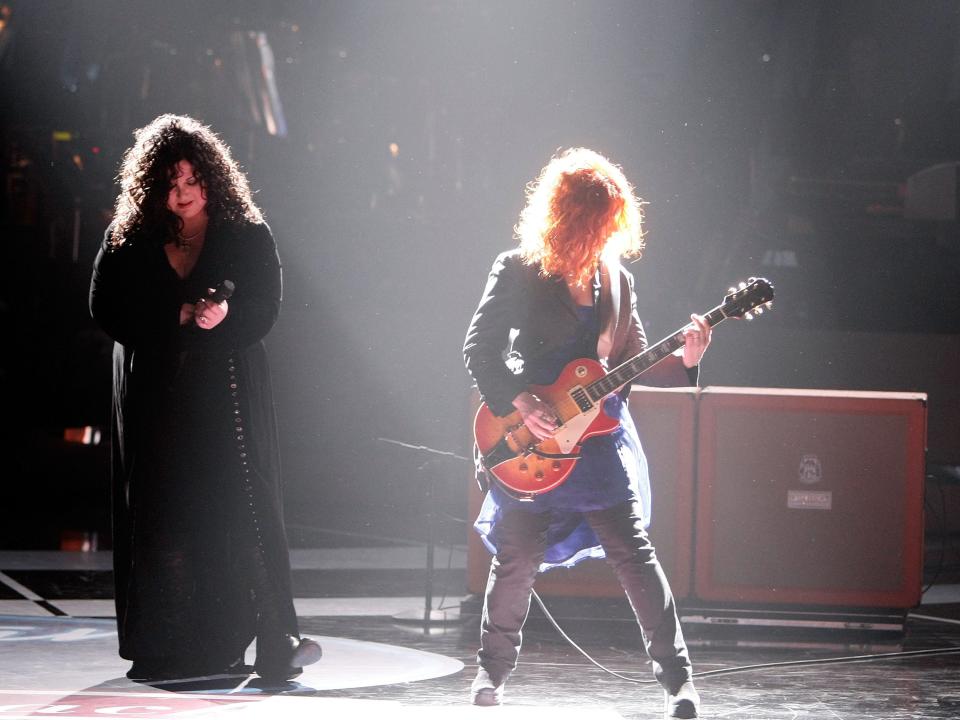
147 169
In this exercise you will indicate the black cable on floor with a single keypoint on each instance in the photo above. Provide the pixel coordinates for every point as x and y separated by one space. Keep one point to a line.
580 650
832 661
942 516
443 598
748 668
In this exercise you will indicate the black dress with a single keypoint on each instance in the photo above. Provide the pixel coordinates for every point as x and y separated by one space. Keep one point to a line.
200 557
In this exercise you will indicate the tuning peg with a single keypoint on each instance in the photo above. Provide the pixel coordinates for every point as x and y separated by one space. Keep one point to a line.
748 316
731 289
759 310
743 286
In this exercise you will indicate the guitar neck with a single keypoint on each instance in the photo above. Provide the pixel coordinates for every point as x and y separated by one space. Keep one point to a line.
629 370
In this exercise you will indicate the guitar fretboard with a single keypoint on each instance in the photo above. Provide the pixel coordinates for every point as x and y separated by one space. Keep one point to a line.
628 371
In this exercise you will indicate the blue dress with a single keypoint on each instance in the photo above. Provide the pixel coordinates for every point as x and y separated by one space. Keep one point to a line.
612 468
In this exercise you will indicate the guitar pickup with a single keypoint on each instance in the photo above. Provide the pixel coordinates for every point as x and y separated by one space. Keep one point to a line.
581 398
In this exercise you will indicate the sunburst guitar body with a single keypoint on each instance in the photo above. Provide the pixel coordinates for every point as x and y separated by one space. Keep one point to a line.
532 467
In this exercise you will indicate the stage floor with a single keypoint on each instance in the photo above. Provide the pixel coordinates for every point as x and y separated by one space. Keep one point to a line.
58 655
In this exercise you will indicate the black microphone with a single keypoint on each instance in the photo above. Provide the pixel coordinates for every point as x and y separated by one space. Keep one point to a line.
223 292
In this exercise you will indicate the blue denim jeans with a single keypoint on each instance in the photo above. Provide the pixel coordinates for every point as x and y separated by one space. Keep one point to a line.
522 535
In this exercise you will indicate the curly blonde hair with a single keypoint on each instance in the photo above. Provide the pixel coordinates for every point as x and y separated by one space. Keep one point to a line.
147 169
579 208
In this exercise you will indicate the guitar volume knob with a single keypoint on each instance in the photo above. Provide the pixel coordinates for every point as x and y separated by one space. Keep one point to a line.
523 467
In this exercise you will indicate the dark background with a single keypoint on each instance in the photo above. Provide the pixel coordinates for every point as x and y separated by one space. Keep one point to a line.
770 138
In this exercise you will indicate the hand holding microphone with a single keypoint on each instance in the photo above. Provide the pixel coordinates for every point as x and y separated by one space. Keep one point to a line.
210 311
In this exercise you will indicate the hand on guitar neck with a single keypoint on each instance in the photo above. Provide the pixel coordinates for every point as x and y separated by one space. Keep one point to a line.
696 337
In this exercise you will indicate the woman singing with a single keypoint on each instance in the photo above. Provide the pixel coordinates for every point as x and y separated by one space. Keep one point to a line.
561 295
200 556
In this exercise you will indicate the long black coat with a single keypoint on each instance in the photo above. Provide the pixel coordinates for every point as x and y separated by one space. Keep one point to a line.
196 471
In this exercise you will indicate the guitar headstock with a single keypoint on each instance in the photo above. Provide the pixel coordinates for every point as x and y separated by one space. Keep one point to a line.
749 299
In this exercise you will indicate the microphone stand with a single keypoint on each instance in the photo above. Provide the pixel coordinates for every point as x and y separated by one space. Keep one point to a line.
429 615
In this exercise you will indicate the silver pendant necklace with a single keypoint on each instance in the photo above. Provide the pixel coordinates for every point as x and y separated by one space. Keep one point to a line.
184 242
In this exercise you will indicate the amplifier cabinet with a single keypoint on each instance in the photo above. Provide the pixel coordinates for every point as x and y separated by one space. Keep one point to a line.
665 422
810 497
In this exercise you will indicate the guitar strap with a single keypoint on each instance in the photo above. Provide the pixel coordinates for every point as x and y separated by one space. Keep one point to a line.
609 307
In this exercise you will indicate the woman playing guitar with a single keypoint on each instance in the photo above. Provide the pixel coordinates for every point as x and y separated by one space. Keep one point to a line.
563 295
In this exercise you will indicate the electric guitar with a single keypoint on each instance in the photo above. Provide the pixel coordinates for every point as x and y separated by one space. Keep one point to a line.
526 466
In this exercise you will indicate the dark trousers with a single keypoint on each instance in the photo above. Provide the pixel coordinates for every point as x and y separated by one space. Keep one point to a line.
521 540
